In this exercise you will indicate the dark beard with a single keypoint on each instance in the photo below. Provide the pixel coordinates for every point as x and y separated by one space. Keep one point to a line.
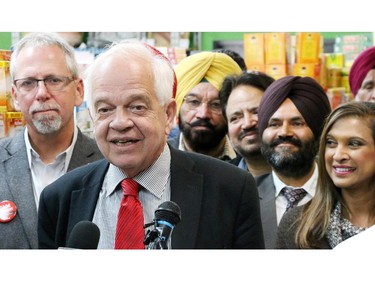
202 140
291 164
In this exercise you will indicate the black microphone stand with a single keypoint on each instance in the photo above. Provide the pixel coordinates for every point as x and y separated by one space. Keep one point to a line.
153 239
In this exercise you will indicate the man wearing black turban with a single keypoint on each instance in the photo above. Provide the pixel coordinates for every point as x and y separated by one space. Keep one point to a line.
290 119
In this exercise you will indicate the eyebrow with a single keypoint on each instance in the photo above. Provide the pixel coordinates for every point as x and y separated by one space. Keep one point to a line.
297 118
368 82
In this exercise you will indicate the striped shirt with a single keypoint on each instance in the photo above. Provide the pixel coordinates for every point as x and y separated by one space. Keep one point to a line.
155 182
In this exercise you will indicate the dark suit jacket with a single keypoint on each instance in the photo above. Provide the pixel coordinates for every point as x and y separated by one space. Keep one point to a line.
287 231
16 186
219 204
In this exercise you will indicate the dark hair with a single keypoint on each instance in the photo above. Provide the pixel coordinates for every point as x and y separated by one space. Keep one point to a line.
317 214
255 79
235 56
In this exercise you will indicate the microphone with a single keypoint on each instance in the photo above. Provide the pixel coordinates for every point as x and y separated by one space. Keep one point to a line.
84 235
167 216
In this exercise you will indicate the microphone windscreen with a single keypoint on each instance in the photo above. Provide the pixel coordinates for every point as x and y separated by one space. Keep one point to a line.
84 235
168 211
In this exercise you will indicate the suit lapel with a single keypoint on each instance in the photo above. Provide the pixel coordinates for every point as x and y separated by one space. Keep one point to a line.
83 150
266 191
18 175
84 199
186 191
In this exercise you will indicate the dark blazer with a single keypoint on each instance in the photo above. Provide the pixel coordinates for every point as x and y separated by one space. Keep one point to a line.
219 204
16 186
287 231
266 190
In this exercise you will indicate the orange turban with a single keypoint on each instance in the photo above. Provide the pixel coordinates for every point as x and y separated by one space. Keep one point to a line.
212 66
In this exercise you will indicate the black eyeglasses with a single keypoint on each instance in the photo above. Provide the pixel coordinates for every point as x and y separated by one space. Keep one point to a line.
53 83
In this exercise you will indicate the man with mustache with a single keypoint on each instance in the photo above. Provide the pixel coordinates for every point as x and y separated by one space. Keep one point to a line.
240 96
291 115
46 88
203 128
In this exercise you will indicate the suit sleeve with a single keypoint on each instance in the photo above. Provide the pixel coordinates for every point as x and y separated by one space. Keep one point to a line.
46 226
249 232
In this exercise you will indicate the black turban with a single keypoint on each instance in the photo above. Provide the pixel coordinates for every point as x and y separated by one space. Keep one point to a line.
306 94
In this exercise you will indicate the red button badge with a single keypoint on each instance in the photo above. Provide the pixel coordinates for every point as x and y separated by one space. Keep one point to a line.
8 211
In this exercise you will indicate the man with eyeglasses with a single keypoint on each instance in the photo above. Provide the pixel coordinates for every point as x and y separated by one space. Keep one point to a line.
46 88
202 126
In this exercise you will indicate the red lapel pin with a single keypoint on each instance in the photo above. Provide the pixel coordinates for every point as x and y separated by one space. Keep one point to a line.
8 211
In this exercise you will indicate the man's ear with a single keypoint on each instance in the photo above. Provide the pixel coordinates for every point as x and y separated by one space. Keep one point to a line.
170 111
15 99
80 92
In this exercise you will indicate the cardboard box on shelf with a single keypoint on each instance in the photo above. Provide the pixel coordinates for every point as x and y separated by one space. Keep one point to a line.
345 79
6 86
175 55
276 71
334 60
307 69
256 68
15 123
254 49
308 47
5 54
334 75
275 48
337 96
169 39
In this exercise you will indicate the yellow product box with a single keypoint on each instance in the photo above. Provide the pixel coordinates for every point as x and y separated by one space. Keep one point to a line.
254 49
345 79
256 68
308 47
276 71
15 122
5 84
334 76
3 120
323 72
334 60
275 48
307 69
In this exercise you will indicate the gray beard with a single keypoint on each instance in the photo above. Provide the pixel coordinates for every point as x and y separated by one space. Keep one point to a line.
46 126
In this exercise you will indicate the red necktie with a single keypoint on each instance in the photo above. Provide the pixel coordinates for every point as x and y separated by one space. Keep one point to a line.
129 231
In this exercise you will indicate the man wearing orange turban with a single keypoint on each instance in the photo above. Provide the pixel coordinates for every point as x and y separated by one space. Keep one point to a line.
200 119
362 76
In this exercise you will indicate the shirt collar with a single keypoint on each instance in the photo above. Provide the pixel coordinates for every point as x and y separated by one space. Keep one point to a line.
155 178
309 186
31 153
